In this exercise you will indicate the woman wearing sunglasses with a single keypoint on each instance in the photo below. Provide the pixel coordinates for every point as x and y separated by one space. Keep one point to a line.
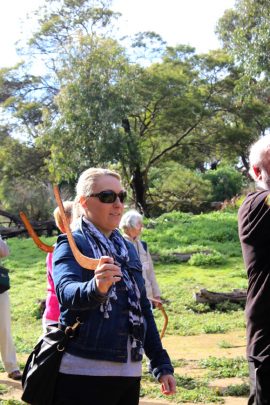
103 362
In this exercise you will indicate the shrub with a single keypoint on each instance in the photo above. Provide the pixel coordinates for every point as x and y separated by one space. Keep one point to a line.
225 368
210 259
214 329
227 306
226 182
240 390
3 389
225 345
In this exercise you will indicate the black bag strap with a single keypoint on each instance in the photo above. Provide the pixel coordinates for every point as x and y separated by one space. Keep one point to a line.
4 269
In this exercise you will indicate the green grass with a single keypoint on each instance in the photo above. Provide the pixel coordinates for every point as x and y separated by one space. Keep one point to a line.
240 390
175 232
225 368
225 345
3 389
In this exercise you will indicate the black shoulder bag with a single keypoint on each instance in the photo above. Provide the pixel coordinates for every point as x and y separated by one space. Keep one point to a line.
4 279
42 366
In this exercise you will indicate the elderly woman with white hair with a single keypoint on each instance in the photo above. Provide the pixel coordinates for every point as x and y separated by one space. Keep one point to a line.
132 225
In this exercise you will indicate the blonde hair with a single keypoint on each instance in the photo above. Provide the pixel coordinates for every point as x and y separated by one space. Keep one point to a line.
85 185
68 208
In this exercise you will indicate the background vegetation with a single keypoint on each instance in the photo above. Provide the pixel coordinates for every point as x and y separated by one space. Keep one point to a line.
175 123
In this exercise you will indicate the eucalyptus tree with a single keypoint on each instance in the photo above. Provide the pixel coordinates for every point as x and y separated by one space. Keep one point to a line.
114 112
94 105
189 111
24 182
27 98
244 31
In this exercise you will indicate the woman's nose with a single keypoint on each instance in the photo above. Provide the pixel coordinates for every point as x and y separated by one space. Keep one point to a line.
118 202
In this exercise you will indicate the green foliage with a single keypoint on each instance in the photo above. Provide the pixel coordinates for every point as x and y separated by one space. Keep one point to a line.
226 182
91 107
184 233
225 368
28 284
175 187
225 345
240 390
36 200
201 259
227 306
96 107
216 328
189 389
3 389
244 31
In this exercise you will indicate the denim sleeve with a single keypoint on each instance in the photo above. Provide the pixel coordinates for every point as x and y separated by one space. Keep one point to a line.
75 287
160 363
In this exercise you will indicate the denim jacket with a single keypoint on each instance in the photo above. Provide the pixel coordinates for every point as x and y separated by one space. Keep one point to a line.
97 337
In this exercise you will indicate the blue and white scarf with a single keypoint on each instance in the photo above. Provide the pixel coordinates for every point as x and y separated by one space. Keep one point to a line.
115 247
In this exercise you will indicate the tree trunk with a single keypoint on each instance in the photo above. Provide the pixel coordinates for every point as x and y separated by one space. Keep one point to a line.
137 182
138 187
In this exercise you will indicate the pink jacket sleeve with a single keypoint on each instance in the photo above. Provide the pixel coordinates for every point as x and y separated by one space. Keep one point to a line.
4 250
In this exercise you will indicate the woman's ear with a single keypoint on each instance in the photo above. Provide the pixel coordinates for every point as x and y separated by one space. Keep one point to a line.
61 226
257 172
82 201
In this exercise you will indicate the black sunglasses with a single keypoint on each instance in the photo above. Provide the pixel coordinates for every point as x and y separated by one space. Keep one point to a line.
109 196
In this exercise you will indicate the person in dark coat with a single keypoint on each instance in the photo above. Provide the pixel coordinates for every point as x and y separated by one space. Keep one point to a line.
254 233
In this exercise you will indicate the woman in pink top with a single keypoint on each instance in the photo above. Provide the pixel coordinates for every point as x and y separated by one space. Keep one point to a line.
52 312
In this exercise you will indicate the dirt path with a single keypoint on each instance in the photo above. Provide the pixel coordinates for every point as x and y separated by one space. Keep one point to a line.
189 348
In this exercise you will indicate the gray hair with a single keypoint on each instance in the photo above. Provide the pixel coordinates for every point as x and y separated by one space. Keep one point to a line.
258 155
130 220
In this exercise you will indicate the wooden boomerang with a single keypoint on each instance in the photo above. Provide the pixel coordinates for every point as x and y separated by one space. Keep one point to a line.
84 261
41 245
87 262
161 308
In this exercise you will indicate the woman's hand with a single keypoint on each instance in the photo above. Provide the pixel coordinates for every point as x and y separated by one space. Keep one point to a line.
168 384
157 302
106 274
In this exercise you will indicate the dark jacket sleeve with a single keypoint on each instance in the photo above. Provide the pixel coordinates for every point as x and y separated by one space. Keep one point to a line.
160 363
254 217
75 286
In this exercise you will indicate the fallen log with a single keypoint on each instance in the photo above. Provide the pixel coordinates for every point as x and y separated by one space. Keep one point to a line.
40 227
180 257
210 297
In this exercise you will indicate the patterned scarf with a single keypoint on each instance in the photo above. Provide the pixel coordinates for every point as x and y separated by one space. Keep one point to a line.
115 247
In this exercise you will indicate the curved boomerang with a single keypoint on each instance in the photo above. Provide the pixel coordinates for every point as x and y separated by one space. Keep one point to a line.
41 245
84 261
161 308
